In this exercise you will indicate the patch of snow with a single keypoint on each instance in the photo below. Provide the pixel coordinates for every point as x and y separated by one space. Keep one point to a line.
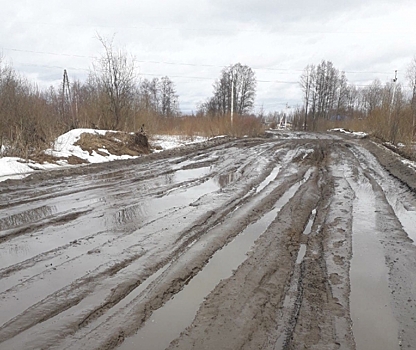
358 134
62 162
64 144
307 152
172 141
13 167
63 147
291 135
409 163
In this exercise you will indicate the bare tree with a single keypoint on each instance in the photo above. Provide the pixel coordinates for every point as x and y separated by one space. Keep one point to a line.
114 74
326 92
236 87
411 77
149 95
168 98
306 81
372 96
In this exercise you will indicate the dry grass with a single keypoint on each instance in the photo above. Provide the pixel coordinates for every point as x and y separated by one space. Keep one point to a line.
74 160
391 128
30 119
208 126
116 143
42 157
394 128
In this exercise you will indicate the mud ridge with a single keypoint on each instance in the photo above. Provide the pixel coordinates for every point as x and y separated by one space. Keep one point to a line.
263 270
176 276
274 243
60 220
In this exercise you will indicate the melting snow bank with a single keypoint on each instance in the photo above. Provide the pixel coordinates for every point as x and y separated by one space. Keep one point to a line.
13 168
64 147
163 142
409 163
358 134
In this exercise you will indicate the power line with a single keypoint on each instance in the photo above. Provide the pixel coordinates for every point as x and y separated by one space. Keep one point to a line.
148 61
289 70
193 78
49 66
155 75
153 27
46 53
237 30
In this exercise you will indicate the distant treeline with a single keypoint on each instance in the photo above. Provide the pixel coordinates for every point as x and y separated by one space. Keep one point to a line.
387 111
114 97
111 98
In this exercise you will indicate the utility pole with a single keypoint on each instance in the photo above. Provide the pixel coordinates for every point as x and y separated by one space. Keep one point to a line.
66 97
232 97
394 84
392 122
306 101
394 91
286 115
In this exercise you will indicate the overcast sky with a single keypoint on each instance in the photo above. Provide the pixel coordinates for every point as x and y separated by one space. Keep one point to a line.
192 40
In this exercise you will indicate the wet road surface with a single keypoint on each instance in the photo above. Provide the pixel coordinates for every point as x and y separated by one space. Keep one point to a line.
292 242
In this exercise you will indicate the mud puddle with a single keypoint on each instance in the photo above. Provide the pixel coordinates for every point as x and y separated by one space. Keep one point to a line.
134 215
178 197
301 254
408 220
306 232
308 228
190 174
21 249
374 326
406 215
72 241
269 178
51 328
27 216
195 163
169 321
145 211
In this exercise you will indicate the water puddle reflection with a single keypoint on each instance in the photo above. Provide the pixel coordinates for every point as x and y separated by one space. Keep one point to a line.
190 174
160 330
301 253
151 208
26 217
374 326
225 179
308 227
269 178
406 216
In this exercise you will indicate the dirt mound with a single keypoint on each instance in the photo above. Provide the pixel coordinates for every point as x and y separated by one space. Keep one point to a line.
42 157
115 143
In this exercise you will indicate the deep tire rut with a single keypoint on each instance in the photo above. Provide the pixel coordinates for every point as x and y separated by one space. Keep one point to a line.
89 258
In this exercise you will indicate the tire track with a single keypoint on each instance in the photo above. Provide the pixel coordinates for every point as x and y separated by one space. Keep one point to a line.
246 166
159 221
259 283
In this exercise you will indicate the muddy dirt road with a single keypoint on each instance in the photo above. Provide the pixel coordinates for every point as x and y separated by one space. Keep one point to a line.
303 242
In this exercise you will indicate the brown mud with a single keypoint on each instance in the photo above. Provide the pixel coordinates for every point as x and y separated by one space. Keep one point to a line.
297 241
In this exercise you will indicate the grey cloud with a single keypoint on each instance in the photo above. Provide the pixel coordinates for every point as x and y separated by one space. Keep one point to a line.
355 35
287 11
